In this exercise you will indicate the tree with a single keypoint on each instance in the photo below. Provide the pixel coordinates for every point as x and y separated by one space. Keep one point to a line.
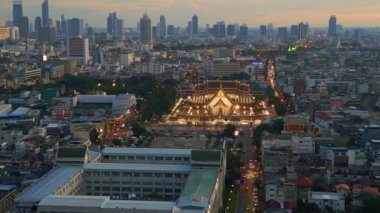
138 130
277 126
229 131
117 142
307 208
371 205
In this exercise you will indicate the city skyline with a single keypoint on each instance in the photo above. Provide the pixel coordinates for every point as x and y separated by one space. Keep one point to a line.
252 12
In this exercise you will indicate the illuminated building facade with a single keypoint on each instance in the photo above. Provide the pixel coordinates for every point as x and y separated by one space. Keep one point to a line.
216 102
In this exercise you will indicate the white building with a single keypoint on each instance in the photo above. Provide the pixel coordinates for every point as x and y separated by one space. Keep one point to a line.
150 68
335 200
118 103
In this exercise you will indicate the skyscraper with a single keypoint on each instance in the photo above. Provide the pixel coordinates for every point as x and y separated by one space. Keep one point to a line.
111 22
332 26
24 26
45 13
37 25
230 30
17 12
219 29
63 25
263 30
146 31
171 30
194 22
294 31
243 31
162 26
74 27
115 26
303 31
282 33
119 28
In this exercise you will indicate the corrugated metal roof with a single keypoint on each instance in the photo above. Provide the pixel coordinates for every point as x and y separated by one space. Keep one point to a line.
145 151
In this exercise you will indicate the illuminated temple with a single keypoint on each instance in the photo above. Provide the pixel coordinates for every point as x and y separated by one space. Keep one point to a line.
215 102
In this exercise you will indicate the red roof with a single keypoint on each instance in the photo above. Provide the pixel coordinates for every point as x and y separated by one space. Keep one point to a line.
288 205
304 181
272 204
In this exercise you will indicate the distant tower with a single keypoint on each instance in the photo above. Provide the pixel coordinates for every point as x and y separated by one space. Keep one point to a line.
17 12
146 31
194 22
332 26
37 25
162 27
45 13
78 50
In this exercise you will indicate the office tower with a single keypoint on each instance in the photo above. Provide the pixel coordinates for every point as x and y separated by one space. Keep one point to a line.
37 25
17 12
282 33
263 30
119 29
58 27
294 31
243 31
155 32
14 33
219 30
230 30
188 28
63 25
146 31
171 30
303 30
91 36
332 26
47 34
111 23
78 50
270 32
45 13
162 27
74 27
358 34
194 22
24 27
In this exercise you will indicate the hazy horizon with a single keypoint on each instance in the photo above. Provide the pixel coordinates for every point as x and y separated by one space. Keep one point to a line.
350 13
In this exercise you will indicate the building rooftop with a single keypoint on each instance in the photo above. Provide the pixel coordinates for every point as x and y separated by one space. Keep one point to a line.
104 202
7 187
198 189
136 167
48 184
71 152
144 151
325 196
205 155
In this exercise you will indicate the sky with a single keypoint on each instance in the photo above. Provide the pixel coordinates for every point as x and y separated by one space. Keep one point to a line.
350 13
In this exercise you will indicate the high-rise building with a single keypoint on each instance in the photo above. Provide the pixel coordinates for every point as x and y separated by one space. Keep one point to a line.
219 30
46 34
17 12
171 30
332 31
24 27
155 32
263 30
243 31
91 36
146 31
78 50
303 30
37 25
294 31
74 27
230 30
63 25
282 33
115 26
45 13
162 26
194 22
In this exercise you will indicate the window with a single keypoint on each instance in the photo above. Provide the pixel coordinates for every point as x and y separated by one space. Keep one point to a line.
96 182
177 175
137 189
159 158
168 175
131 157
115 173
149 157
115 188
158 184
168 184
106 174
136 183
121 157
147 190
97 188
127 189
178 159
158 190
127 174
186 159
177 184
106 188
169 158
168 190
105 182
146 174
177 190
147 183
140 157
113 157
157 175
127 182
136 174
115 182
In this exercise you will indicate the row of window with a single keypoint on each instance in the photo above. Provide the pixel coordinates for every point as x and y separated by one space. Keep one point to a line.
89 183
149 158
135 174
136 189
